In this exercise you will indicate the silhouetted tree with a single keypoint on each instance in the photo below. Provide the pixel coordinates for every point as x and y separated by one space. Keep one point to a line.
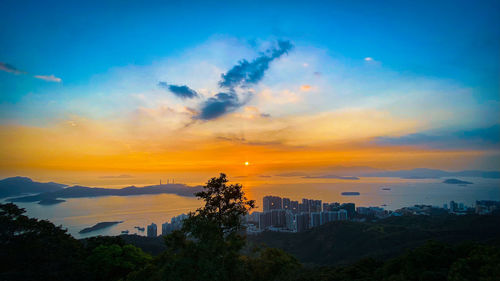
32 249
209 243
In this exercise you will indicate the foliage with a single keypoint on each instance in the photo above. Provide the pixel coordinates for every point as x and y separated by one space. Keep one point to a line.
209 243
272 264
32 249
344 242
113 262
210 246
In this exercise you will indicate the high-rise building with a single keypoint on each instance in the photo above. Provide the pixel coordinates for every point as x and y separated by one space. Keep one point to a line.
315 206
286 204
294 206
278 218
302 222
343 215
305 206
265 220
350 208
453 206
272 203
315 219
289 220
166 228
152 230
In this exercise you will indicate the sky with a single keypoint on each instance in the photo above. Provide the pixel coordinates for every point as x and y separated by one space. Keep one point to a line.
125 87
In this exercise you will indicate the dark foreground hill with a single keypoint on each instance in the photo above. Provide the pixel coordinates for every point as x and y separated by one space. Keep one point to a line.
345 242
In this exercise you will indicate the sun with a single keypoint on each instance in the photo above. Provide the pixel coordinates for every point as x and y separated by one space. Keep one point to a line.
247 163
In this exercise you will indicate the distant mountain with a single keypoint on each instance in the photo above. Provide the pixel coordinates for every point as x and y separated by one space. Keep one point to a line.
83 191
352 173
456 181
331 177
422 173
16 186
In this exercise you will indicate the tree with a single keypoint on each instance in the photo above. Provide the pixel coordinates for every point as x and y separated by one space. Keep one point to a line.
208 245
114 262
32 249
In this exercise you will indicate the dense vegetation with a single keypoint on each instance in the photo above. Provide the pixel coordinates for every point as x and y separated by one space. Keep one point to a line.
211 246
346 242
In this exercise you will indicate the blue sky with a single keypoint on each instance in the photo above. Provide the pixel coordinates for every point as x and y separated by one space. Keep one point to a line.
426 71
459 40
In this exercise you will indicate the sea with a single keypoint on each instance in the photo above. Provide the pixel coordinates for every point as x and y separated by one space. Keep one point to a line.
140 211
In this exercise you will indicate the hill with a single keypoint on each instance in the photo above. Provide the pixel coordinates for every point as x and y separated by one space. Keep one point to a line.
346 241
83 191
16 186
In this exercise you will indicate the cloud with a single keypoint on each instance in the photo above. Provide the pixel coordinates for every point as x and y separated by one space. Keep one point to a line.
183 91
305 88
50 78
242 75
479 138
117 177
219 105
328 176
246 73
368 59
11 69
292 174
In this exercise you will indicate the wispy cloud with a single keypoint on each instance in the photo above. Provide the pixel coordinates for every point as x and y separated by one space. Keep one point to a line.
124 176
50 78
11 69
183 91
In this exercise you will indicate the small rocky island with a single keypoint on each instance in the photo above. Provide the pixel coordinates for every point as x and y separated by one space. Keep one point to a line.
50 201
456 181
99 226
350 193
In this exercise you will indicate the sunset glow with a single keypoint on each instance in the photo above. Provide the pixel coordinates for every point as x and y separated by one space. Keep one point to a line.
325 101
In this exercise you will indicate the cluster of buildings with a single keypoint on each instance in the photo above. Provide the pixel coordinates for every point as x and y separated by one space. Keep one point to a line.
283 214
485 207
482 207
174 224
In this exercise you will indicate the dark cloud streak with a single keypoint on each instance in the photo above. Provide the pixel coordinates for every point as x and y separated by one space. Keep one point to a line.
183 91
242 75
219 105
246 73
11 69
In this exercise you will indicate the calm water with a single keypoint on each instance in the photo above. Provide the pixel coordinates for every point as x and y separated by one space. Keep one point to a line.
76 214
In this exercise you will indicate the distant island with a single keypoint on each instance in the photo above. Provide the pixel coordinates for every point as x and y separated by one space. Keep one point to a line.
16 186
350 193
99 226
331 177
51 201
456 181
51 197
